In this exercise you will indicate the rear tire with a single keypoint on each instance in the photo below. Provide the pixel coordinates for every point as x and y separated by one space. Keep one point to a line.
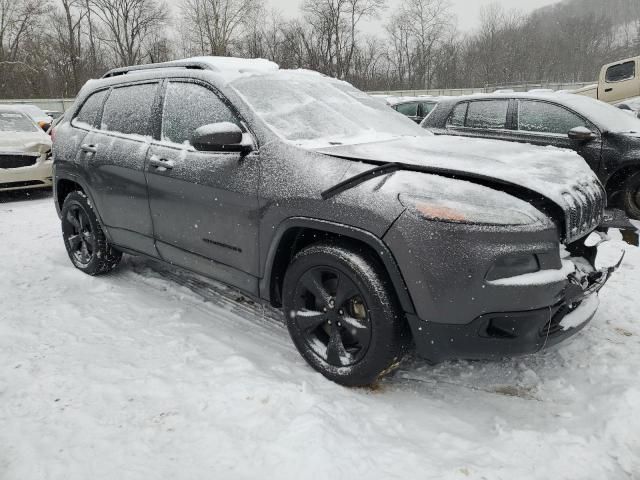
631 195
84 238
342 314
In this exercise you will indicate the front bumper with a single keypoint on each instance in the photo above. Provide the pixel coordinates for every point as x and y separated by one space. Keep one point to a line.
502 334
38 175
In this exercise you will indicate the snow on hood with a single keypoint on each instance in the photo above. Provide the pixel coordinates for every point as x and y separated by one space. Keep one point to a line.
27 142
549 171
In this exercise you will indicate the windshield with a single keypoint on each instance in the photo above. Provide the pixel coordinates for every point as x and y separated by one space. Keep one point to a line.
314 111
606 116
16 122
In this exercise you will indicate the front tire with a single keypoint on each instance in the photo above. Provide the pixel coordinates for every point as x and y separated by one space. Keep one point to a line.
84 238
342 314
632 196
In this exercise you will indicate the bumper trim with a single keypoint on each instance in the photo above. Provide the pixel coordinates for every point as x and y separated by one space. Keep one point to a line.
498 335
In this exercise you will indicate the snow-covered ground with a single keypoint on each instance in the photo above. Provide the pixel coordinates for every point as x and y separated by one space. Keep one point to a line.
150 373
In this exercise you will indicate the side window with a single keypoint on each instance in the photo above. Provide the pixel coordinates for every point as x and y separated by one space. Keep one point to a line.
546 118
621 72
408 109
130 109
89 111
188 106
427 107
487 114
458 115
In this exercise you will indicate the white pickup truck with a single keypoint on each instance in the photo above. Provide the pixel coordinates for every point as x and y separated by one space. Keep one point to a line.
618 81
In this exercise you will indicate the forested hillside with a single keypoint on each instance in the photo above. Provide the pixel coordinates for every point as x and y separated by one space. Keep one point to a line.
49 48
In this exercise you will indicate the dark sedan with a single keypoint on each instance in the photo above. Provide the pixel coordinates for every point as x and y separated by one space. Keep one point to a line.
605 136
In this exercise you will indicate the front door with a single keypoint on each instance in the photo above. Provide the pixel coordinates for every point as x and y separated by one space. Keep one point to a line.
546 123
204 204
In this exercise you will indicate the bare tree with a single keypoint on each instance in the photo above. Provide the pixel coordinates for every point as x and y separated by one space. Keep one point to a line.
127 24
333 30
214 24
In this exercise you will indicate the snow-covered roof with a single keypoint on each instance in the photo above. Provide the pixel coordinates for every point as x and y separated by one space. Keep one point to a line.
235 66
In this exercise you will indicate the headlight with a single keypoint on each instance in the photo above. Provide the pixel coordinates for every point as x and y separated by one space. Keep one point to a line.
460 211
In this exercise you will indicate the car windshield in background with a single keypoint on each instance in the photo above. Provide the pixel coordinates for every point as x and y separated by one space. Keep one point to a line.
314 111
16 122
606 116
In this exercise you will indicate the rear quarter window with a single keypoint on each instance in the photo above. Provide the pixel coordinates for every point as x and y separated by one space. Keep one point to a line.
129 109
409 109
88 113
458 115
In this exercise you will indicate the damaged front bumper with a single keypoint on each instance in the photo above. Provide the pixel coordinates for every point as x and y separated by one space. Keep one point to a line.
497 335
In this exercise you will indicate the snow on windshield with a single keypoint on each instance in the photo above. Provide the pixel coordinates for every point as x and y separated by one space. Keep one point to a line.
606 116
16 122
315 111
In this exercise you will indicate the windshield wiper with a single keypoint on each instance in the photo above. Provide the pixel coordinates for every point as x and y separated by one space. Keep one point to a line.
361 178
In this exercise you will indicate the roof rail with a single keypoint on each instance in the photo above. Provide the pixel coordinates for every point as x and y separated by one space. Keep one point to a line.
152 66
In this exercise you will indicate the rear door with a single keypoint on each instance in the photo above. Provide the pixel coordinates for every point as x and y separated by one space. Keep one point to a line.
204 204
547 123
114 157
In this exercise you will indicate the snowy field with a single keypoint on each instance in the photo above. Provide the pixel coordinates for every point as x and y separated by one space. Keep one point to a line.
150 373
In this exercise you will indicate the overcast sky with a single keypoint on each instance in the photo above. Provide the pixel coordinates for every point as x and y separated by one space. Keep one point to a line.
467 11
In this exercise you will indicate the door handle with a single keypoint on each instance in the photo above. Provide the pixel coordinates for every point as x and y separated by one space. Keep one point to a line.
88 148
608 90
161 164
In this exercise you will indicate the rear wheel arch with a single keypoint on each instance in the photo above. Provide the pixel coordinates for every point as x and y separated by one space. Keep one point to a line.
297 233
64 187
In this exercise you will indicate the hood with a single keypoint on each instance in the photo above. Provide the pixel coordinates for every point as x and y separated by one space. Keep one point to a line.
561 176
25 142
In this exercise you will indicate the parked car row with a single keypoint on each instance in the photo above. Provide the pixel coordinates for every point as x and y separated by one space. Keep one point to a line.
371 234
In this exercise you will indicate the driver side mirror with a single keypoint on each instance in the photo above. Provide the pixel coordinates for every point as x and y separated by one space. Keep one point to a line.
581 134
219 137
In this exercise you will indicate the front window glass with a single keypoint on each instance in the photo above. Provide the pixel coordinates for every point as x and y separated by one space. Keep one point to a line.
546 117
488 114
188 106
315 111
11 121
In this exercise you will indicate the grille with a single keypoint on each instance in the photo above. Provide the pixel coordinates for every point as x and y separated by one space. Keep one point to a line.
586 208
17 161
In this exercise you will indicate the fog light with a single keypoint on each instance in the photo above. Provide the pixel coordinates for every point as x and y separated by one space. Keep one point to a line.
512 266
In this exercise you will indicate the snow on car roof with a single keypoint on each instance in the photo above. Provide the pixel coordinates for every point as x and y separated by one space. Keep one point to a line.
234 66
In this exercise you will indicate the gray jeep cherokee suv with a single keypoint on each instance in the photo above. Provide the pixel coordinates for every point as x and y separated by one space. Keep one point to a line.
370 233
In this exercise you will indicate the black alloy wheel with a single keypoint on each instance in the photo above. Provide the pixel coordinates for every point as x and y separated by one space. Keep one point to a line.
342 313
84 238
332 316
79 235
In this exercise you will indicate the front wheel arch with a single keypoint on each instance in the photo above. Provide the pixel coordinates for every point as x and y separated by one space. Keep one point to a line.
296 233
